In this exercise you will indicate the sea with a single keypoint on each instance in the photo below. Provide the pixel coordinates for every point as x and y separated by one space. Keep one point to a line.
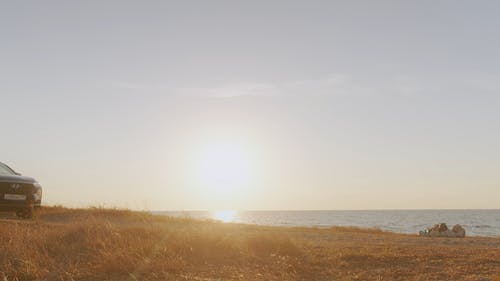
475 222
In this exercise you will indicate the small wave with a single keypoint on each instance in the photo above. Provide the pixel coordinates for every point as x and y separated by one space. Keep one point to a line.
481 226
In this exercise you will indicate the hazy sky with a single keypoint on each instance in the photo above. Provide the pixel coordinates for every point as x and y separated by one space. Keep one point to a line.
168 105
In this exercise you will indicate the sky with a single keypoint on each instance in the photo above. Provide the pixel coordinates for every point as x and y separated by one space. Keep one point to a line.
253 105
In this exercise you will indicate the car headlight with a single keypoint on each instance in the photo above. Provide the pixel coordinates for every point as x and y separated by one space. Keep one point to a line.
37 192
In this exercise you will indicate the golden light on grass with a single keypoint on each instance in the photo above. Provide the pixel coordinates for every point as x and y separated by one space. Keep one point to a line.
224 215
102 244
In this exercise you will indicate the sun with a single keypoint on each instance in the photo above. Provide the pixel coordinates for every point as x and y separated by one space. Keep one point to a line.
225 170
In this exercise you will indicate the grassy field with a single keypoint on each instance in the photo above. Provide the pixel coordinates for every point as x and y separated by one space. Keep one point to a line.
103 244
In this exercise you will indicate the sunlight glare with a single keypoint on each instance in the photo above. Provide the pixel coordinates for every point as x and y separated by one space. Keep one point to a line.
224 215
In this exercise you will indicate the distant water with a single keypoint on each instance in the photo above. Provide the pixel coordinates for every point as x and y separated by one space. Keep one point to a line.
475 222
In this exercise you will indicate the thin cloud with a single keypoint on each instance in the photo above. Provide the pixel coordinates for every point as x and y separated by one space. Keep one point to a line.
333 84
129 85
232 90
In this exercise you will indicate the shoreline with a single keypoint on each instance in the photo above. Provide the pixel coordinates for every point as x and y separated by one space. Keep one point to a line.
478 223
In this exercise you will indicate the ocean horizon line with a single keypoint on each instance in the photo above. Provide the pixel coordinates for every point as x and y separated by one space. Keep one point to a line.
323 210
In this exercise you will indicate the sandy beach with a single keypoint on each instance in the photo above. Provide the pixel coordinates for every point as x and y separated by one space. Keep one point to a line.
101 244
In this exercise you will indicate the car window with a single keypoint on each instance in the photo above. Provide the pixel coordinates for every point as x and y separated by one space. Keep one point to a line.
4 170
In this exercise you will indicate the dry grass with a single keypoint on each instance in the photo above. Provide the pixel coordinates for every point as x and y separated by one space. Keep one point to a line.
103 244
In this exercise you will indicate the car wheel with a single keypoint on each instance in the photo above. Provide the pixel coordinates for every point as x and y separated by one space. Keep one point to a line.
19 214
25 214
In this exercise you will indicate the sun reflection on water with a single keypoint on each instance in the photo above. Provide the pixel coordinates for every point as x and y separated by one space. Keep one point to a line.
224 215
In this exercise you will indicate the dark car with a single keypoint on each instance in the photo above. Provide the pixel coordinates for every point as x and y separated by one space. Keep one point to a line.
18 193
